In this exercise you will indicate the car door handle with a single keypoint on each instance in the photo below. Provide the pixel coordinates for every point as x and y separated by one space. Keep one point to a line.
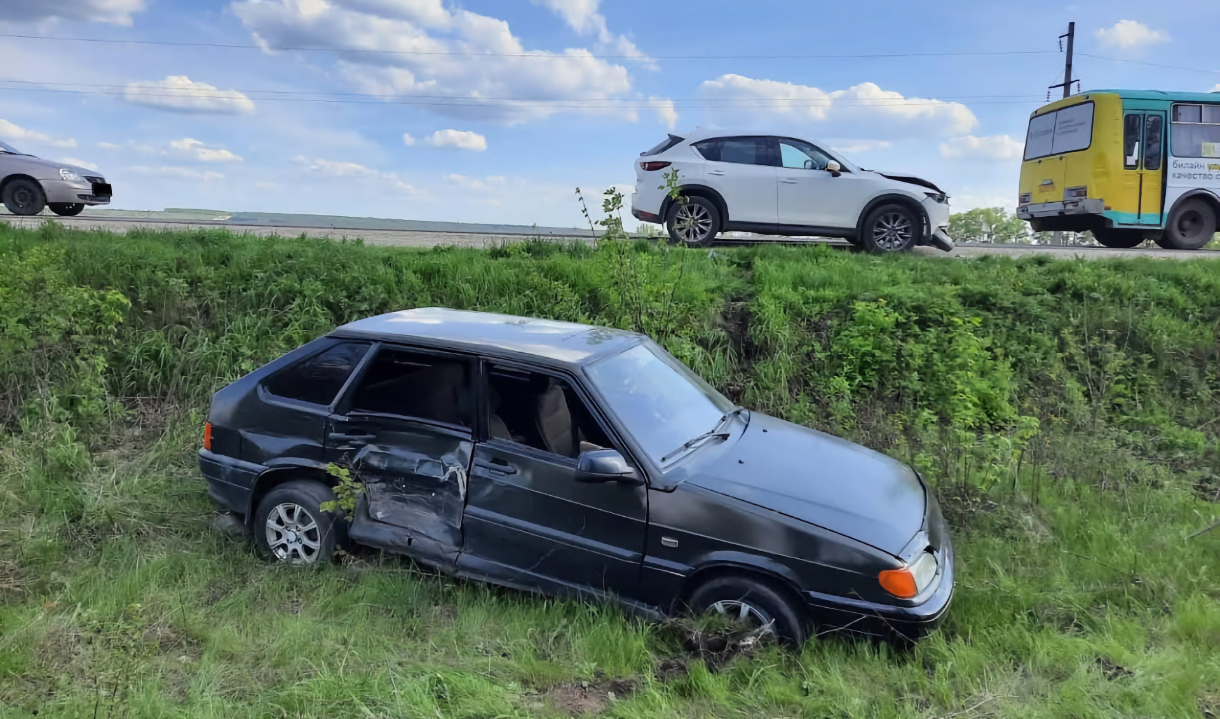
495 466
717 173
789 182
339 437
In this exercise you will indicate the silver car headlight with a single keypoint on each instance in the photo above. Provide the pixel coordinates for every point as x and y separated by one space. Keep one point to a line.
70 176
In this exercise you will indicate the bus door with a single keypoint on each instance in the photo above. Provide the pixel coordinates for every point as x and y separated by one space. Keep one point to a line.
1144 163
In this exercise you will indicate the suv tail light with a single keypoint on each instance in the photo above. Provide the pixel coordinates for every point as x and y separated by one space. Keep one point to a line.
653 166
207 436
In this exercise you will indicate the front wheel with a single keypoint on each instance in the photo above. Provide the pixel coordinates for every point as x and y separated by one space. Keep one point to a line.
891 228
24 197
760 606
1190 227
694 222
1118 239
291 527
66 209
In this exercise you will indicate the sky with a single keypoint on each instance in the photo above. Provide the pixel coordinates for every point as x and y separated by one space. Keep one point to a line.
497 110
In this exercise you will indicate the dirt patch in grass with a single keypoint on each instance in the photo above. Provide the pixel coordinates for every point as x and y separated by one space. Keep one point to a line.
589 698
1111 670
668 670
712 643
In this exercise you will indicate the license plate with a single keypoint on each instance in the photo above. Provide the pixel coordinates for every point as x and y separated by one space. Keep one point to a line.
102 189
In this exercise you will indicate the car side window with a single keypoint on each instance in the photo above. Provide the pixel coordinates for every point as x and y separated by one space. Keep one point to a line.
737 150
798 155
540 411
319 378
417 385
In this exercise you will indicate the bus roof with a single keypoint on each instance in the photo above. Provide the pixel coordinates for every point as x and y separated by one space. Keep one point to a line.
1145 95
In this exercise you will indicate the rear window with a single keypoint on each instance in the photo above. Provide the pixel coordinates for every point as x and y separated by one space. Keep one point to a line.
739 150
1066 130
317 380
665 145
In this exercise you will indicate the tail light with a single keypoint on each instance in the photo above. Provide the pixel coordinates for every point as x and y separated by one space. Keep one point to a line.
1025 198
207 436
1075 193
653 166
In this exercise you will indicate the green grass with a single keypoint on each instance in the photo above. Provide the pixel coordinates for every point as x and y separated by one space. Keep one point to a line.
1064 410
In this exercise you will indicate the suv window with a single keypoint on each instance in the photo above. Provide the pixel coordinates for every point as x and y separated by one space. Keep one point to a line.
668 143
416 385
798 155
540 411
317 379
737 150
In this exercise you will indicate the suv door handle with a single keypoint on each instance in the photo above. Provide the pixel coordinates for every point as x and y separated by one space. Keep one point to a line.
789 181
339 437
495 466
717 173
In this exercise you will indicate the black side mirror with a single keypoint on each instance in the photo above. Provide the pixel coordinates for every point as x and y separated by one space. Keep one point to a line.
604 465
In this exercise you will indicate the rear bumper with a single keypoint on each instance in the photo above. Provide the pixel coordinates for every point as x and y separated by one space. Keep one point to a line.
833 615
1057 209
645 216
230 481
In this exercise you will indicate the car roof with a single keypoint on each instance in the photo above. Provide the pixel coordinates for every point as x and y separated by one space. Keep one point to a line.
485 332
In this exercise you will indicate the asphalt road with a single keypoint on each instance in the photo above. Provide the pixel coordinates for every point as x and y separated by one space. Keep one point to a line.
410 238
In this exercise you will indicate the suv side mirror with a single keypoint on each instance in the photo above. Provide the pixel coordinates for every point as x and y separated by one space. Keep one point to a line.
604 465
834 168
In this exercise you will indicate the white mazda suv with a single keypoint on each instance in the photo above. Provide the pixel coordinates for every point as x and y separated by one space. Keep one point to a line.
781 185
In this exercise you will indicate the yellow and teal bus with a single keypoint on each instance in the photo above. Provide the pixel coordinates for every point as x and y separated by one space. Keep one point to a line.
1128 165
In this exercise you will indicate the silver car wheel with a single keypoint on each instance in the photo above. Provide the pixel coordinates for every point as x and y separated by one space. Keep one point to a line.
693 223
293 534
746 614
892 231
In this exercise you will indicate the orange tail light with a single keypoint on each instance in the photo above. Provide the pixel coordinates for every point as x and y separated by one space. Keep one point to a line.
207 436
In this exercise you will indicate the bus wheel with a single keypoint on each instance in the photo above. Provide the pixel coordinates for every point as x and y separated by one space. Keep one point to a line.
1118 239
1191 226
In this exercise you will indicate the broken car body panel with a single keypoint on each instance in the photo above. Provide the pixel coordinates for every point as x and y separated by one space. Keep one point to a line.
815 513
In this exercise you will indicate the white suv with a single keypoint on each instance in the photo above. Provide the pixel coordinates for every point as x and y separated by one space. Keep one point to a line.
779 185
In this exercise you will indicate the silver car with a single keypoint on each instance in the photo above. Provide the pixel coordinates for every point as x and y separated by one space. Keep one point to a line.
28 184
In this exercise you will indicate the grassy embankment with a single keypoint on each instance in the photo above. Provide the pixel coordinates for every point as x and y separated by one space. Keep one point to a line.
1066 412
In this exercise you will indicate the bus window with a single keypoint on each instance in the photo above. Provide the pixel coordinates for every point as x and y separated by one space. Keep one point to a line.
1196 131
1131 142
1073 128
1152 143
1041 136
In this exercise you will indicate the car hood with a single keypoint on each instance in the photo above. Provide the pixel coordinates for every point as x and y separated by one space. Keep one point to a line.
910 180
820 479
46 169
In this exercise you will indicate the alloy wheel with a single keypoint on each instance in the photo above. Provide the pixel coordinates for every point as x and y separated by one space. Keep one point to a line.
693 223
753 617
293 534
892 231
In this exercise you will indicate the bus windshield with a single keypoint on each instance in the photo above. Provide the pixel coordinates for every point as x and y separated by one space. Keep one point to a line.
1068 129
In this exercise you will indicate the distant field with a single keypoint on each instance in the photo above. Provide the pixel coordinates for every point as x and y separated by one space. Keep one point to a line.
1064 411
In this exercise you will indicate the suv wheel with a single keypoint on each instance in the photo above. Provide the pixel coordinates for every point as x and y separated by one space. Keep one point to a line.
1191 226
758 604
695 222
66 209
24 197
291 527
891 228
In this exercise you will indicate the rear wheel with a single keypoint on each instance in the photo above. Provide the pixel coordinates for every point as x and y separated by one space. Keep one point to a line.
767 611
1118 239
891 228
291 527
66 209
24 197
694 222
1191 225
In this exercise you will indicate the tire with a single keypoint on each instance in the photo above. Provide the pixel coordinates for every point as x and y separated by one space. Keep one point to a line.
288 511
66 209
1118 239
695 223
764 604
891 228
24 197
1191 226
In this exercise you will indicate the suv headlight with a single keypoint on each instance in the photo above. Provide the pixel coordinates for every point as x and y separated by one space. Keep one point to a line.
940 197
70 176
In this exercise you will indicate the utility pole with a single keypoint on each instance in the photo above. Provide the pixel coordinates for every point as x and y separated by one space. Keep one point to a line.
1067 70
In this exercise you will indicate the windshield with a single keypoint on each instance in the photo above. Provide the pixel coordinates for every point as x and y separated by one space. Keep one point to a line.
661 403
8 148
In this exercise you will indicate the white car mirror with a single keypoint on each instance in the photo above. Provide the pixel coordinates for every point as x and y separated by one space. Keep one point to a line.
833 168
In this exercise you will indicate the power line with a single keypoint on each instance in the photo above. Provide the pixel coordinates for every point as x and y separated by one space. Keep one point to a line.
1150 64
534 55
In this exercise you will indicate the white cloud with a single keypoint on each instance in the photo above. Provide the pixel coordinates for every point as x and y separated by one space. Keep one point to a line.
490 183
1215 89
16 133
994 148
458 140
407 139
68 143
79 163
179 173
179 92
583 17
116 12
266 185
198 151
107 145
373 38
853 146
863 110
351 170
1128 34
665 110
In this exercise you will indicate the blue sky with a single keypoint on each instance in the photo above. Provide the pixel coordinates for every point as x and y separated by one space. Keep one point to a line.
550 95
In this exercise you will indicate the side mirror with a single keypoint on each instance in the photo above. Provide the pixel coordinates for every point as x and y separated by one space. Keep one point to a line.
834 168
604 465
